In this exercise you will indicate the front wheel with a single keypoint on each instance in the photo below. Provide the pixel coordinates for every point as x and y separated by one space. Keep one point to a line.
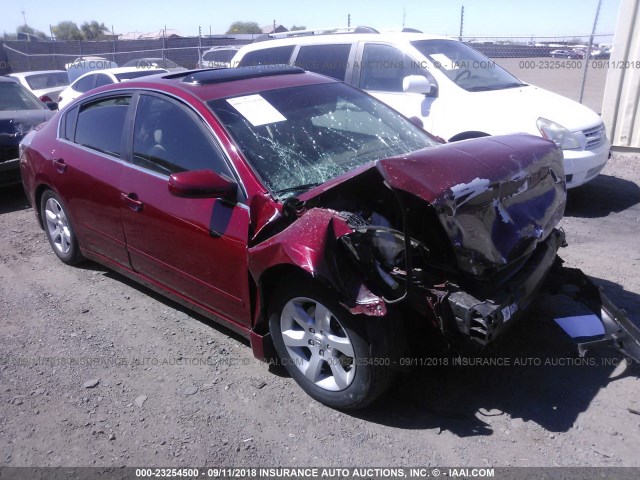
328 351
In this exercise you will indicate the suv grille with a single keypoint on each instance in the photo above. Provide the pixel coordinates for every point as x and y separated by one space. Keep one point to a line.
595 137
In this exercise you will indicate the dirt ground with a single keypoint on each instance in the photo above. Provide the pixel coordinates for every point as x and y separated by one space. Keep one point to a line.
95 370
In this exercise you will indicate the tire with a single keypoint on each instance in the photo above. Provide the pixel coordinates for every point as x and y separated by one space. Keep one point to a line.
336 357
58 228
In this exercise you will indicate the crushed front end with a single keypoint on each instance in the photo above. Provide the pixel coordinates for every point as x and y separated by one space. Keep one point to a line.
460 236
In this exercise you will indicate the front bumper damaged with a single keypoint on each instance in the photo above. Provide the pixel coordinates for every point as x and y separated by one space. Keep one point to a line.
620 333
483 320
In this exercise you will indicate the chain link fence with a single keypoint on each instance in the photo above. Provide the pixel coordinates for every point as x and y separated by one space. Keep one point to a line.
20 56
563 65
557 64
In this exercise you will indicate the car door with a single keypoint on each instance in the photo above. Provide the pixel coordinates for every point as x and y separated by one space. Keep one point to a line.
380 70
195 247
86 166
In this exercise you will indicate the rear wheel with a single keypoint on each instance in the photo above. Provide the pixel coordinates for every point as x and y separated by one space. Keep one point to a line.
58 228
326 350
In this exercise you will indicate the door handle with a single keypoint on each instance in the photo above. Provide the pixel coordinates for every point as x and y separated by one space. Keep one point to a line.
131 199
59 164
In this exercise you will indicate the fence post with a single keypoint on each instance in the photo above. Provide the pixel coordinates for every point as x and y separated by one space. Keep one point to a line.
588 54
28 57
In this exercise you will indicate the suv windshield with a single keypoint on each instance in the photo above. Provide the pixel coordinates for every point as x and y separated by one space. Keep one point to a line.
297 138
466 67
40 81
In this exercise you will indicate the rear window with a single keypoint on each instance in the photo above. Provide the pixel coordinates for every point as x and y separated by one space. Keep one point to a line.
267 56
330 60
219 56
47 80
15 97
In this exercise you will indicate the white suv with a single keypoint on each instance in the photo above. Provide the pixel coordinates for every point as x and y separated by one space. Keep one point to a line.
457 92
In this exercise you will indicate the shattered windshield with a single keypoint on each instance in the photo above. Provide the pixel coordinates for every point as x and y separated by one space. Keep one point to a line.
300 137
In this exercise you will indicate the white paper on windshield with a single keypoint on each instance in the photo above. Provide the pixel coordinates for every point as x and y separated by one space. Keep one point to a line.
444 61
256 109
581 326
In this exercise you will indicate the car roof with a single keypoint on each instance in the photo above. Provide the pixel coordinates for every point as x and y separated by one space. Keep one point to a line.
333 38
114 71
35 72
212 84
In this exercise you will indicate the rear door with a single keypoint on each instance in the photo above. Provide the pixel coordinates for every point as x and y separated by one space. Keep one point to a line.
87 164
196 247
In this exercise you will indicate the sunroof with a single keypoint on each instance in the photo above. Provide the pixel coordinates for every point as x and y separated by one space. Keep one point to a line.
220 75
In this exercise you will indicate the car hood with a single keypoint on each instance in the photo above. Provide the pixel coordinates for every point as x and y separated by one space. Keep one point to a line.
496 197
15 124
531 102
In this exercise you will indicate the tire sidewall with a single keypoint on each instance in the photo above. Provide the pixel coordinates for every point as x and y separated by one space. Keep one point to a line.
362 389
73 255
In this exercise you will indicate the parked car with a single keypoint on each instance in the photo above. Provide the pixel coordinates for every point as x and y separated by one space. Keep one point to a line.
218 57
301 213
82 65
566 54
45 84
457 92
20 111
158 62
98 78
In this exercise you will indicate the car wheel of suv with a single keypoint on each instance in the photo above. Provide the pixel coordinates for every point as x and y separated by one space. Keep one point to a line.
58 228
326 349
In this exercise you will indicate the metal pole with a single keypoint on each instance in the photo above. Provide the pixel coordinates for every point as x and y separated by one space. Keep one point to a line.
586 60
54 59
461 22
164 34
113 35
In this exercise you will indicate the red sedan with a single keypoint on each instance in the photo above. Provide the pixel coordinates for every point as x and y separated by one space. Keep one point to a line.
301 213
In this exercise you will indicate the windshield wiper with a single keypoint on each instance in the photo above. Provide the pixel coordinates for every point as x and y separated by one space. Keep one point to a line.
496 87
306 186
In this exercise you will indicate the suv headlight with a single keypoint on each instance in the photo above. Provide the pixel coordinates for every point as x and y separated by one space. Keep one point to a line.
558 134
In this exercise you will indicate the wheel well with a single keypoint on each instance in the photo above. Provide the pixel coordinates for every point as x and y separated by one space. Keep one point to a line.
269 281
467 135
38 197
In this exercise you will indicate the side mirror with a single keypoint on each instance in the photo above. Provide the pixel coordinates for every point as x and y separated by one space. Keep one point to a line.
416 84
202 184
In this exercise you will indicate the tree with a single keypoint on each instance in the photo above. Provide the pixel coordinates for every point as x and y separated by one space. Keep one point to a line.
30 30
93 30
297 27
244 27
67 30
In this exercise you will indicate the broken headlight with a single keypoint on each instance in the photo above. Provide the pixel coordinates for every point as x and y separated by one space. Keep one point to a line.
379 253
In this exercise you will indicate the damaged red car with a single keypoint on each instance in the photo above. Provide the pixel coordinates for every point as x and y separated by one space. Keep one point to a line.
305 215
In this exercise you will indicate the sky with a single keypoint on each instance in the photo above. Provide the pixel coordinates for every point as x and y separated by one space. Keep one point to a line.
481 17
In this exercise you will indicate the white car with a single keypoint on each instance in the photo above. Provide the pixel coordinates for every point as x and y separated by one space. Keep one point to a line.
45 84
218 57
455 91
98 78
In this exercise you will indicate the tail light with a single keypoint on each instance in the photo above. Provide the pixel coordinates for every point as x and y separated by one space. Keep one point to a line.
45 98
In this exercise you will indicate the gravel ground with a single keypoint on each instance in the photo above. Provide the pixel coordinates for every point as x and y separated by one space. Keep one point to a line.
95 370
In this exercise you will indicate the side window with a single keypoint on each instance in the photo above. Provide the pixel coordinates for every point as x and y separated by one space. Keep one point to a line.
102 79
101 123
68 127
169 138
267 56
330 60
85 84
383 67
